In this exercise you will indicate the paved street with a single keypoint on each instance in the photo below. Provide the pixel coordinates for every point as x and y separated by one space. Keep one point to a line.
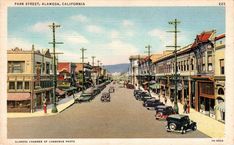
123 117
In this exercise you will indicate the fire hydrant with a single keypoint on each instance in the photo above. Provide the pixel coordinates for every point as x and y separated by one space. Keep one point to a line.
44 106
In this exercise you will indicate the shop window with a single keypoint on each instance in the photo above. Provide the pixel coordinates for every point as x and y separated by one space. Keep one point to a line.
221 66
19 85
11 85
26 85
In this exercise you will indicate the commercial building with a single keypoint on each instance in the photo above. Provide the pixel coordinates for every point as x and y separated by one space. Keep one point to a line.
29 79
201 80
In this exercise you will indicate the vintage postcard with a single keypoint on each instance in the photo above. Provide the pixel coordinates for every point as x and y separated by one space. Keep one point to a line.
116 72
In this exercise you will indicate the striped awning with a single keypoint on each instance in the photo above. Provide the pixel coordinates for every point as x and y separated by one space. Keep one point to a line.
220 107
18 96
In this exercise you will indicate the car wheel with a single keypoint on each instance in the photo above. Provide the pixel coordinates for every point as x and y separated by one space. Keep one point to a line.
146 105
183 131
158 115
172 126
194 127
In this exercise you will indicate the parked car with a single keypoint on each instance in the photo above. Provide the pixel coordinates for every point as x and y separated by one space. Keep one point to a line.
138 94
111 89
96 91
151 102
105 97
136 91
144 97
180 123
162 112
130 86
84 97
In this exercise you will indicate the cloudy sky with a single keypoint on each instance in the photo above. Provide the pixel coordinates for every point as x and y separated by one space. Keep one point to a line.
109 33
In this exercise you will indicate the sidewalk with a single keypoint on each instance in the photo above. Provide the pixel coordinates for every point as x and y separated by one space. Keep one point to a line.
205 124
62 105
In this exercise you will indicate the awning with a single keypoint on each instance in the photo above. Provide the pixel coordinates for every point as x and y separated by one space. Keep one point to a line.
220 107
179 87
145 83
59 92
18 96
152 82
155 86
70 89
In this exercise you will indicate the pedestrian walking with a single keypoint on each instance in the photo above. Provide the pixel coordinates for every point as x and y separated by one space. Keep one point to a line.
165 99
185 107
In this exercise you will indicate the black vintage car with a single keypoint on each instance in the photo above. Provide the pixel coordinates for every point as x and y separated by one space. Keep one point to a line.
162 111
135 92
150 102
105 97
180 123
139 94
145 97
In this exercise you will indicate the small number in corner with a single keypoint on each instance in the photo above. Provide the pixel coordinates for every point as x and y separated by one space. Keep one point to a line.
221 3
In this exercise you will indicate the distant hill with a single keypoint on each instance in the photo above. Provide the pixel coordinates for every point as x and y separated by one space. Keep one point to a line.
123 67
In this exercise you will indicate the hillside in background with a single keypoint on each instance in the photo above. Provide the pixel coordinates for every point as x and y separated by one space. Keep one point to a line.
123 67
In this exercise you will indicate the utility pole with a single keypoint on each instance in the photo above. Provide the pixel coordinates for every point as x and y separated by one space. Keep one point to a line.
98 61
82 57
53 27
148 47
93 60
138 69
175 22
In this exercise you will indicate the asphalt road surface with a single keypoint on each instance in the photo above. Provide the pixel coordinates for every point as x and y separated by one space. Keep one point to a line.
123 117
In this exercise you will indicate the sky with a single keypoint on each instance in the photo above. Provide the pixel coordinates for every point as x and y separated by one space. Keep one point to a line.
111 34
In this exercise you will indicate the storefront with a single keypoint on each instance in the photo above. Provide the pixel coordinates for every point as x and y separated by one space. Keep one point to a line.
206 98
18 102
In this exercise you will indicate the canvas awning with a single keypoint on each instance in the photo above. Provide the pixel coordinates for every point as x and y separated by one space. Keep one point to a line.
59 92
220 107
145 83
155 86
18 96
71 89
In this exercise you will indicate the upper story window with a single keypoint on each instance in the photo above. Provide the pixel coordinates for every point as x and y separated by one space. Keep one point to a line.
11 85
221 66
192 64
16 66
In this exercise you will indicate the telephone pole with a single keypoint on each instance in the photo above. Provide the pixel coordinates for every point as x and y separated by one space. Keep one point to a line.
175 22
93 60
98 61
148 47
53 27
82 57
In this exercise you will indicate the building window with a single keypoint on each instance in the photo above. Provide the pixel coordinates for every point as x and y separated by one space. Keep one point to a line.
220 91
181 65
19 85
26 85
11 85
185 69
209 59
192 64
16 66
221 66
187 65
